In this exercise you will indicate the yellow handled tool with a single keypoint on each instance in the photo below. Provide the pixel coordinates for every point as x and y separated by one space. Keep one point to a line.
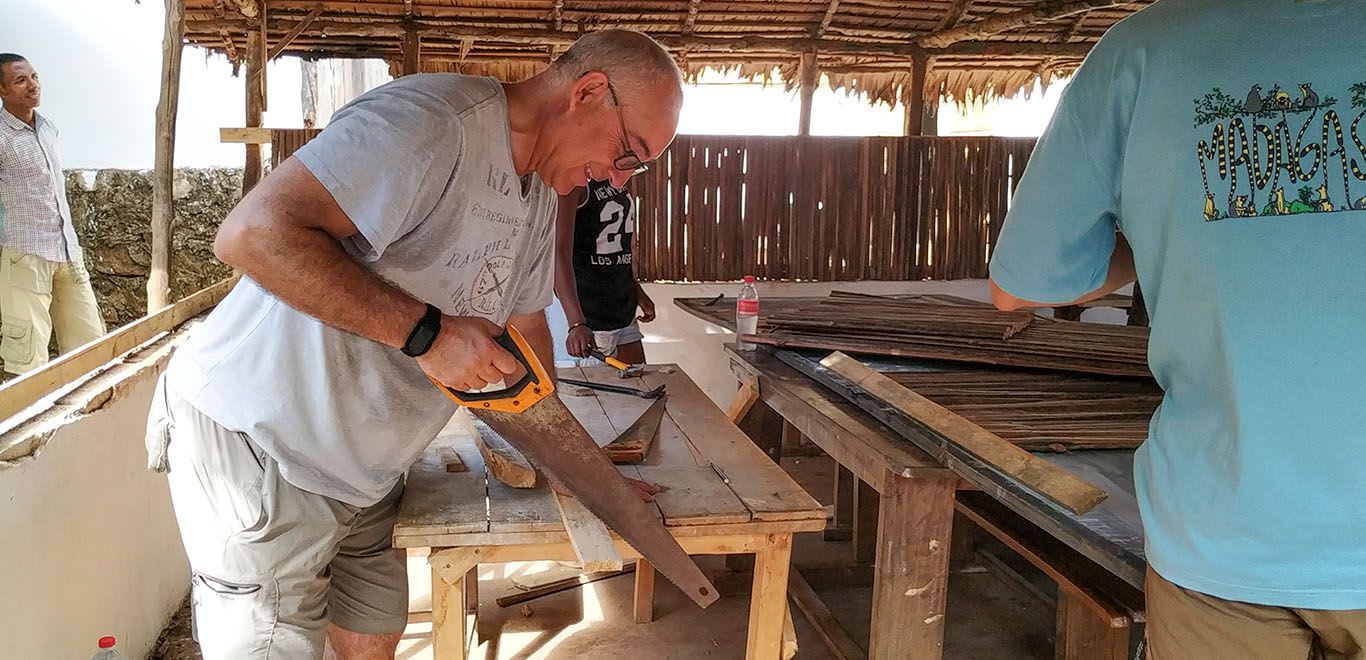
547 433
533 386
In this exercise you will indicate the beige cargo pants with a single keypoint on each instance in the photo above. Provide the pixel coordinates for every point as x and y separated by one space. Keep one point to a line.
38 296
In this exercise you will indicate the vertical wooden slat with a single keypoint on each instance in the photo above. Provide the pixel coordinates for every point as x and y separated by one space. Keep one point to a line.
931 212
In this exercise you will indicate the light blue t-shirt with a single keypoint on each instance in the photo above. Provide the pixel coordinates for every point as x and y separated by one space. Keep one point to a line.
1226 141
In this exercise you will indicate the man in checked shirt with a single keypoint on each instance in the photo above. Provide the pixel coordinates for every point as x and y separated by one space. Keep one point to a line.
43 282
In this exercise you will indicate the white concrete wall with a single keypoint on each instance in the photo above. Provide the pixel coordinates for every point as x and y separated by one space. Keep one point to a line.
88 542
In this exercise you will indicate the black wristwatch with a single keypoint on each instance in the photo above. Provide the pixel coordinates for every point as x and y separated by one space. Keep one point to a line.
424 333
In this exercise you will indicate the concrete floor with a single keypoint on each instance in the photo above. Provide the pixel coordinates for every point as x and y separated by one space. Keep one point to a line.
987 618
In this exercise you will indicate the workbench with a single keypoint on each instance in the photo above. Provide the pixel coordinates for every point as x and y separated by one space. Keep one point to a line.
898 504
722 496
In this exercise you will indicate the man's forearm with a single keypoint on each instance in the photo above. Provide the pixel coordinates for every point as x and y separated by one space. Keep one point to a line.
309 271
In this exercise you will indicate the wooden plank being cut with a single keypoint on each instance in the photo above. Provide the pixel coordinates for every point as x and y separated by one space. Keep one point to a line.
592 541
1062 487
694 496
505 463
436 501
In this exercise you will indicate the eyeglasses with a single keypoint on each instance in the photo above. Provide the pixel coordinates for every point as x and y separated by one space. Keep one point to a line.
628 161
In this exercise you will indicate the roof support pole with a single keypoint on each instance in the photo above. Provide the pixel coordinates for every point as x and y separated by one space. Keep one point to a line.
163 173
809 75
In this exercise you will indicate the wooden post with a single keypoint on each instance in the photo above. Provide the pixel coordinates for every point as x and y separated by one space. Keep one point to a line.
163 174
768 599
412 50
256 102
644 605
809 76
915 103
867 501
909 584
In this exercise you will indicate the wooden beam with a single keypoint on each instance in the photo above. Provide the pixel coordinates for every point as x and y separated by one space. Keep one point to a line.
1041 13
643 605
163 172
1062 487
438 30
916 101
249 8
29 388
592 542
956 12
828 628
830 12
691 21
412 52
256 101
250 135
809 75
745 398
1066 35
294 33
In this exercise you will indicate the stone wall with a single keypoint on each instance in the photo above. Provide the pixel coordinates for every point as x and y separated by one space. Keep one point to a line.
112 211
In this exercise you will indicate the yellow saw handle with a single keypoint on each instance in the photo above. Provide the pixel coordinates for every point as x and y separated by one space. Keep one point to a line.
533 386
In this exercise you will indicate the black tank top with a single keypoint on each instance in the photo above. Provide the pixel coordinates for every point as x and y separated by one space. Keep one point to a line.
603 231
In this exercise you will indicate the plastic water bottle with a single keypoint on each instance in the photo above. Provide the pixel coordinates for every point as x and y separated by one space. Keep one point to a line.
747 312
109 650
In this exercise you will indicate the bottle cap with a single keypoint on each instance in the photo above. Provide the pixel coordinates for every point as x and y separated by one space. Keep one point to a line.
749 279
107 642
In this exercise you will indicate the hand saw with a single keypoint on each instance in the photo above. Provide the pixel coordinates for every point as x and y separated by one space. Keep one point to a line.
537 423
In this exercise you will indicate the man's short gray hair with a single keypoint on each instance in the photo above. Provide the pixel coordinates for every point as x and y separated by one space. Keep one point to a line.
633 62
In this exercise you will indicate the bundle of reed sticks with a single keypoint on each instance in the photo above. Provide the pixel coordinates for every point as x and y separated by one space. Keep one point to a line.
1044 411
957 329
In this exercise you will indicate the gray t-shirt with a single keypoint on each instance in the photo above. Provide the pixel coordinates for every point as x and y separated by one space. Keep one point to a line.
423 167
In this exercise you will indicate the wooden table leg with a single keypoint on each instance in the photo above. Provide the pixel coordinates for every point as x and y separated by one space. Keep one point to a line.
449 624
1082 635
455 580
911 573
842 527
866 506
768 602
645 592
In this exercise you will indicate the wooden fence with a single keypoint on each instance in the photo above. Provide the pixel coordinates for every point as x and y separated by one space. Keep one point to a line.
716 208
834 209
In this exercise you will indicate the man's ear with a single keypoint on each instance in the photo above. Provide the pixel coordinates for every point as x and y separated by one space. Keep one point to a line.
590 89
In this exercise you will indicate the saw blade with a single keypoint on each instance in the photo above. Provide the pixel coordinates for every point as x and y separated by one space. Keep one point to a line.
550 436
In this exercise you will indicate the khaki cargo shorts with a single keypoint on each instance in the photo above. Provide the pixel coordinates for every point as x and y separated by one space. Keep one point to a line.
1189 625
272 564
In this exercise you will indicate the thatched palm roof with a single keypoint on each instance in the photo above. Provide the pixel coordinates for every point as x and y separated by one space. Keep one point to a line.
978 48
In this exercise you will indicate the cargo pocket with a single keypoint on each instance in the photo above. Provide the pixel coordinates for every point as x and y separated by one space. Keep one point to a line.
158 438
237 618
16 343
27 272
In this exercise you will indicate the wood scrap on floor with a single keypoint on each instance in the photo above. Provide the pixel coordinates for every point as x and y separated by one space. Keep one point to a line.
559 585
937 327
503 460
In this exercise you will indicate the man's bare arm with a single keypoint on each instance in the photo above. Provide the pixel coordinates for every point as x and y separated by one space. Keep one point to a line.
1121 272
286 236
